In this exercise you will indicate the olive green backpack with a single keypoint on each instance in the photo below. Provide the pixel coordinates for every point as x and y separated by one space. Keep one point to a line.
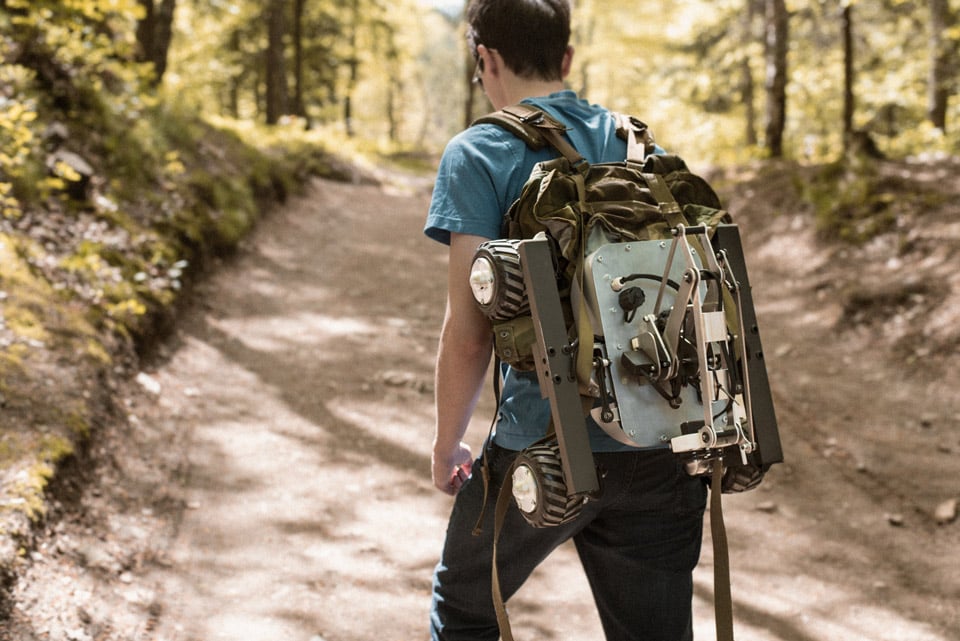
582 206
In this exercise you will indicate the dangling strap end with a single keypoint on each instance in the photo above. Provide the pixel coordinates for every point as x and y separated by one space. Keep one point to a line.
722 599
485 475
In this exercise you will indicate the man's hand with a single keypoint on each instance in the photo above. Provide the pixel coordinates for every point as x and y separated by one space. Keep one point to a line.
452 469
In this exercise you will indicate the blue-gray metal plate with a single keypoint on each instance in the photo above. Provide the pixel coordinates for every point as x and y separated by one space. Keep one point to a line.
646 418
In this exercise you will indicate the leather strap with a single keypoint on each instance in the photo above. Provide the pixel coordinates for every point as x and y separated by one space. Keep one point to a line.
535 127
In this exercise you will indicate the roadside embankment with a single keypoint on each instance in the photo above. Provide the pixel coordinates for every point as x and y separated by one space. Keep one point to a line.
104 226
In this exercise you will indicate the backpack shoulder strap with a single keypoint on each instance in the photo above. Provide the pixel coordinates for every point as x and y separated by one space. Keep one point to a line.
535 127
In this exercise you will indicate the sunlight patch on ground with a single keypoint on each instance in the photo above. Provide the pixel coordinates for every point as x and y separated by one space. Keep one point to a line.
409 429
413 429
804 608
790 251
277 333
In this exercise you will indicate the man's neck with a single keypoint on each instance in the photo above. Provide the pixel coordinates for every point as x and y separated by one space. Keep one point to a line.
516 89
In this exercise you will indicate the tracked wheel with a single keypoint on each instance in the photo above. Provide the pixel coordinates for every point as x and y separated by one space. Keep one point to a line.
539 489
496 279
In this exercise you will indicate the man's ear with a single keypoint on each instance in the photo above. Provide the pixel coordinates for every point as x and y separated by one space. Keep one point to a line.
567 63
491 61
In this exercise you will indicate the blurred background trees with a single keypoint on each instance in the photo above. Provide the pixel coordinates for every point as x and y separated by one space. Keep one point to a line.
729 79
733 78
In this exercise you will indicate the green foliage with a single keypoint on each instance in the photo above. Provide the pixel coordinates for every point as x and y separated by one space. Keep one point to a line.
106 191
847 204
17 138
395 62
26 492
693 69
703 73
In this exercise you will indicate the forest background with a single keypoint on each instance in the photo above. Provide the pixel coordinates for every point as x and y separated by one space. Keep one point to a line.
142 139
722 80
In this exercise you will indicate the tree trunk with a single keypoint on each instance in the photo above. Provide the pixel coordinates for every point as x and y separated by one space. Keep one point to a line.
353 63
299 107
274 68
748 86
394 86
938 84
236 80
849 101
748 91
154 33
777 32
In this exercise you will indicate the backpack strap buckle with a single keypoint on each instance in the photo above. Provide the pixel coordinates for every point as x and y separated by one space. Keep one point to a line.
530 115
640 143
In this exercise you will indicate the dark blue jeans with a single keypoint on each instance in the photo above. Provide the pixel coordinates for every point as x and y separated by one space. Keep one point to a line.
638 543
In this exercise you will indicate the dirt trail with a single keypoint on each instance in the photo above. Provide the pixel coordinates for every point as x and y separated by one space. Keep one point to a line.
272 476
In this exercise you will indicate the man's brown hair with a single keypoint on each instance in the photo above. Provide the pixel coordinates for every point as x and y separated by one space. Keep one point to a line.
531 36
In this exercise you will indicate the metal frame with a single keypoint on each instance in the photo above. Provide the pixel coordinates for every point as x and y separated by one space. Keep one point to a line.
556 367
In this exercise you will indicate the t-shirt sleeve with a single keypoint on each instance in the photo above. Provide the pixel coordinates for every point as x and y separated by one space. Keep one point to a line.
472 190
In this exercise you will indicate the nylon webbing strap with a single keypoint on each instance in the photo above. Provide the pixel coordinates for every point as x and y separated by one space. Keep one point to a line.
500 513
566 149
722 600
485 477
484 471
668 204
504 500
584 357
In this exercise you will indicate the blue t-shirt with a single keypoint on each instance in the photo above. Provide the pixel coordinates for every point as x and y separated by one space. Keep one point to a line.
482 172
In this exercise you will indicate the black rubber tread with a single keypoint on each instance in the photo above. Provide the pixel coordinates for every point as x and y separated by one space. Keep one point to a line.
509 295
554 507
741 478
